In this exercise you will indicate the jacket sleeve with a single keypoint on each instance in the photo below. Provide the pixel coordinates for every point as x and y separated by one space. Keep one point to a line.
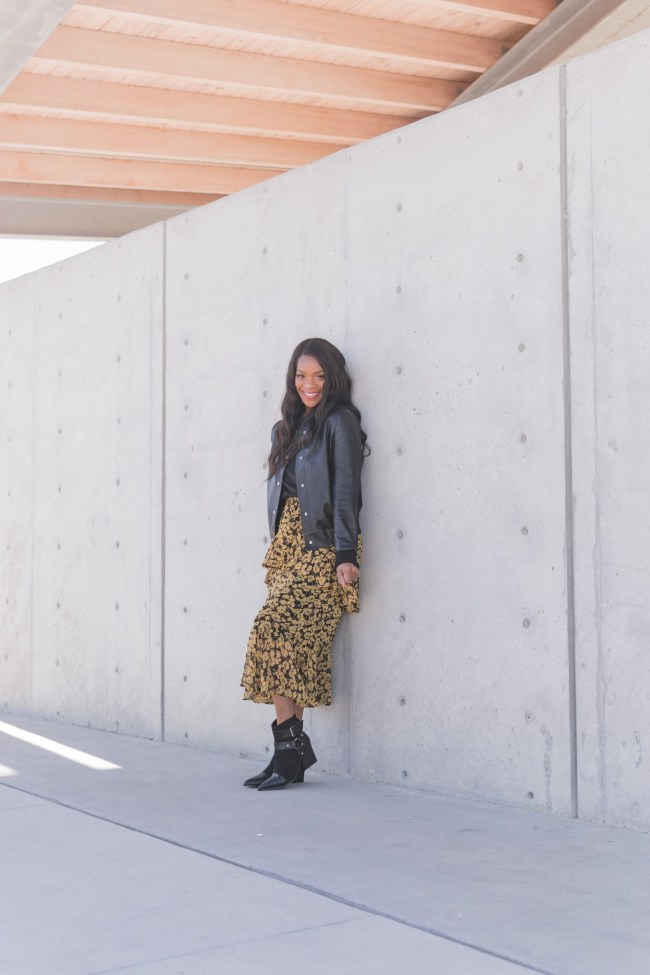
345 473
273 489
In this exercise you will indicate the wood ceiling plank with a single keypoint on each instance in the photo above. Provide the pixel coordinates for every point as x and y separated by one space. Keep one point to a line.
99 194
122 53
315 26
516 11
130 102
31 133
74 170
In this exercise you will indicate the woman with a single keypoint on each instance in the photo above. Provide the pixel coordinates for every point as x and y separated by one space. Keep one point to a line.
314 498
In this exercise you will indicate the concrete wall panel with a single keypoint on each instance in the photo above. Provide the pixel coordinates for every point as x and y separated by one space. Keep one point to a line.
23 28
97 521
16 492
247 278
459 378
609 203
459 663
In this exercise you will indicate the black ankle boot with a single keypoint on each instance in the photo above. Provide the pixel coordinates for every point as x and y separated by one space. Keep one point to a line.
256 780
290 749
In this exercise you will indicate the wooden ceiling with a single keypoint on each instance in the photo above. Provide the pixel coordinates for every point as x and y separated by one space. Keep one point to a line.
178 102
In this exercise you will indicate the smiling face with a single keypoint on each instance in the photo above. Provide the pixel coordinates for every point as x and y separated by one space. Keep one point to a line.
310 380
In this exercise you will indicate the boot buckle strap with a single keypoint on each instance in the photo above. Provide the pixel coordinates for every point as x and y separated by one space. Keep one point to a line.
296 745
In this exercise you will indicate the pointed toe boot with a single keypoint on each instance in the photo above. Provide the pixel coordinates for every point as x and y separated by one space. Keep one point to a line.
289 754
256 780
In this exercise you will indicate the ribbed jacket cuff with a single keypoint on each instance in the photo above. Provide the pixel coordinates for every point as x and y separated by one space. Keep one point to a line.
346 555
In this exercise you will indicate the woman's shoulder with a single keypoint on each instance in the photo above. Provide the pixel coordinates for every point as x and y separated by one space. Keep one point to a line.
347 412
342 417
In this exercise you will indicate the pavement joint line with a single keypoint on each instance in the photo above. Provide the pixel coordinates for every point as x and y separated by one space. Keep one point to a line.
301 885
229 944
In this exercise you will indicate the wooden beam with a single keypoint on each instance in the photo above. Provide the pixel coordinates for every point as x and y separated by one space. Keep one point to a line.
74 170
121 53
329 29
79 97
516 11
100 194
147 142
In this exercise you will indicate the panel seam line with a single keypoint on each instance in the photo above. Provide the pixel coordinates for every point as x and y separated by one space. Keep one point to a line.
163 482
568 449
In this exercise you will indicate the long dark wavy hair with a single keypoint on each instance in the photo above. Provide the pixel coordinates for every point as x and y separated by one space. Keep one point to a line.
337 392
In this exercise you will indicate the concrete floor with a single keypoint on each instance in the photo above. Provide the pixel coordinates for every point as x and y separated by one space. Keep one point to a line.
167 866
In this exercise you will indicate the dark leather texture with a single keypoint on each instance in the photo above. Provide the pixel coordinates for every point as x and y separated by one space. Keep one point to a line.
328 477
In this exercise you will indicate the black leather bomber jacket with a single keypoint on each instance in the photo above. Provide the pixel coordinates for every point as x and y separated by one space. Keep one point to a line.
328 477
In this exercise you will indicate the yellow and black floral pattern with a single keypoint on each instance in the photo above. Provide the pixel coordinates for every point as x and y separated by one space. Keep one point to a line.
289 648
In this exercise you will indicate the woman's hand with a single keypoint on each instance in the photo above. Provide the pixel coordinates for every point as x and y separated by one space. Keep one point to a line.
347 573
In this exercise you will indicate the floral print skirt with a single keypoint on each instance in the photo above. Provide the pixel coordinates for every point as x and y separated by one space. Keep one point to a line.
289 648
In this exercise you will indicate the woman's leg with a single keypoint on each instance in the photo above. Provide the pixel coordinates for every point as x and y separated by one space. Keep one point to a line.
285 708
289 745
288 765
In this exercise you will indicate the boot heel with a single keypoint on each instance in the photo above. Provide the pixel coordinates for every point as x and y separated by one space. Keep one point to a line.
308 755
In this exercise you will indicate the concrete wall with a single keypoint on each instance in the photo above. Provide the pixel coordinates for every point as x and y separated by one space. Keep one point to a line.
23 28
486 337
82 385
609 223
